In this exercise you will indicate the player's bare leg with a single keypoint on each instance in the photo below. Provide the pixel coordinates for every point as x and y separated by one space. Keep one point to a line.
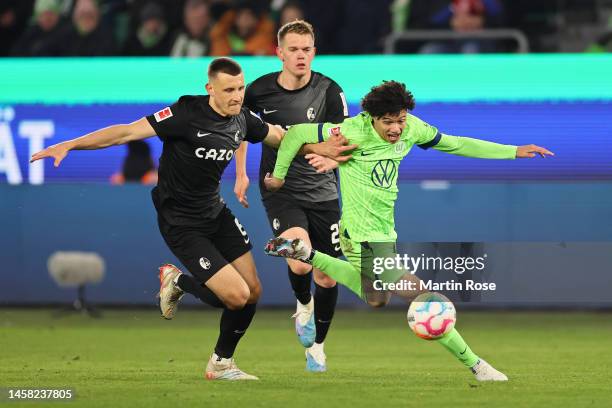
245 265
374 298
409 280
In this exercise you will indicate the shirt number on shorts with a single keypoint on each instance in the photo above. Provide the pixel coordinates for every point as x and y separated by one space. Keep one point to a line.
335 236
242 230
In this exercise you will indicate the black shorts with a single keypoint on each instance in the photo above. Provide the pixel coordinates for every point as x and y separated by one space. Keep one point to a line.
207 245
319 219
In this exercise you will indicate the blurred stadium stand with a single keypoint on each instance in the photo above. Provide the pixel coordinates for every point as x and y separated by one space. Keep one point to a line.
347 26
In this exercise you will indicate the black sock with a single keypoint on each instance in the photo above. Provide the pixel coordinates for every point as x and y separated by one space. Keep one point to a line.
190 285
301 286
324 306
233 325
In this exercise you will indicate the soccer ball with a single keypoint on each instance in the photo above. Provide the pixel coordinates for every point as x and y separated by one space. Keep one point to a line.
431 315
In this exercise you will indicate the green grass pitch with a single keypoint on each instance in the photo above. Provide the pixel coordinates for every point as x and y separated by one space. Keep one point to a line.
136 359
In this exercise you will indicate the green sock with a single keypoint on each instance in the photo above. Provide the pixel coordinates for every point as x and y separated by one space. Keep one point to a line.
341 271
454 343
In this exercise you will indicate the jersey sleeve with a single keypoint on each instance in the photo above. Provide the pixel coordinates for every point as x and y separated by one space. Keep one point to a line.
257 129
426 135
336 107
480 149
170 122
293 140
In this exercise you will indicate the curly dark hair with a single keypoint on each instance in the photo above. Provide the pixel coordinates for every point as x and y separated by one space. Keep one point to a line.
388 97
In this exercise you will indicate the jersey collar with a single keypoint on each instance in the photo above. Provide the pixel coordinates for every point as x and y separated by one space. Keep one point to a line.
312 74
210 112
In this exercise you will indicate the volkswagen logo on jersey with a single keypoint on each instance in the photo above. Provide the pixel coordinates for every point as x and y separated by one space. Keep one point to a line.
383 173
205 263
310 114
276 224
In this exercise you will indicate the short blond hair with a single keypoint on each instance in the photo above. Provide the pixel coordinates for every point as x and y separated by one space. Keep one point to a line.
297 27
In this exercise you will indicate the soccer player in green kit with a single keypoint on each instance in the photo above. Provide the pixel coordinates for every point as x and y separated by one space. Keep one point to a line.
384 133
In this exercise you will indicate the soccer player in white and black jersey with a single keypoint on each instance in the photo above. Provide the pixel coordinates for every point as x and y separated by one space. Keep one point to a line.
307 206
200 135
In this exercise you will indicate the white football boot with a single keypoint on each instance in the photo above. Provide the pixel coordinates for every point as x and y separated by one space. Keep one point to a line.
169 293
316 359
225 369
304 323
484 371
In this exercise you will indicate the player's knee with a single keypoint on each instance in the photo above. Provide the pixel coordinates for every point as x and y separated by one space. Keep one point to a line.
377 303
378 299
324 281
300 268
238 298
255 293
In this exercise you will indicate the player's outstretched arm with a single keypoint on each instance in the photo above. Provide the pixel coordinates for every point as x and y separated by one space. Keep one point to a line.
482 149
101 138
242 179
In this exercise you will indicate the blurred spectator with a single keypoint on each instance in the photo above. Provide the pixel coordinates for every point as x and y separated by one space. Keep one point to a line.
349 26
219 7
460 16
39 38
289 12
151 37
193 40
603 43
85 36
327 19
14 15
243 31
366 25
138 165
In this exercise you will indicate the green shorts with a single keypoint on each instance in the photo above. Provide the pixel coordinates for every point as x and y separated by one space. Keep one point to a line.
364 255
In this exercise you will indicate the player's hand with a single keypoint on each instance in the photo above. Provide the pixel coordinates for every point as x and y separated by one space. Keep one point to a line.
240 188
334 152
320 163
336 147
57 152
529 151
272 183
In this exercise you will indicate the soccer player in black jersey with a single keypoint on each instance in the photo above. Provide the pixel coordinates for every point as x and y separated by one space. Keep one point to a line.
307 205
200 135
